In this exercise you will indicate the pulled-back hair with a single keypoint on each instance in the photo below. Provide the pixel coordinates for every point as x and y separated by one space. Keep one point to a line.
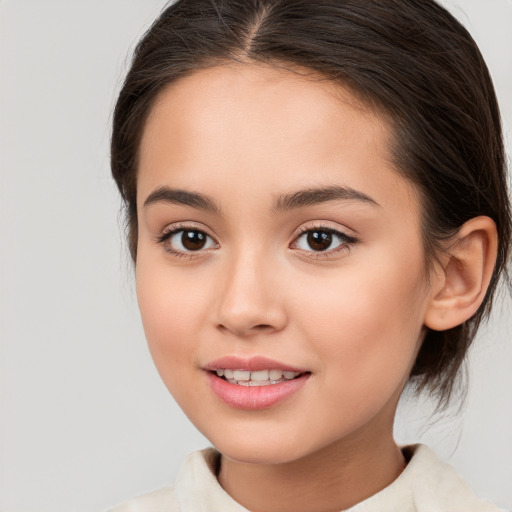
410 60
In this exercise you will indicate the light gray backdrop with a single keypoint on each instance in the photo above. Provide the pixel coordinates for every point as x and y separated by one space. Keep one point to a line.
85 420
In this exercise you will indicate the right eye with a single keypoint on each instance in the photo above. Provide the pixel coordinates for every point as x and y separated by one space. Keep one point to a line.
182 241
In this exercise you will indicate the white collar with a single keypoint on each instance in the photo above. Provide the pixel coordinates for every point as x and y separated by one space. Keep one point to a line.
426 485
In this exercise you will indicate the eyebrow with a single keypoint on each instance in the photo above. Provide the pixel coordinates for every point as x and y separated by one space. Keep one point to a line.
313 196
183 197
299 199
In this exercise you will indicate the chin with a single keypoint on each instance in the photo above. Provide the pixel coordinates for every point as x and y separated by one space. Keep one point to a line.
266 448
248 453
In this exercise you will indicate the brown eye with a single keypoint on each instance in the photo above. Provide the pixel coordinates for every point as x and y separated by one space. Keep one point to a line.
193 240
319 240
187 240
323 240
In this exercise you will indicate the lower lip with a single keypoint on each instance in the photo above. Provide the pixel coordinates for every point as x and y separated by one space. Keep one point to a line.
254 397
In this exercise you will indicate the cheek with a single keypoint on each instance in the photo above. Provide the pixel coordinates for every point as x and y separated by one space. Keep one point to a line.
171 312
174 311
366 323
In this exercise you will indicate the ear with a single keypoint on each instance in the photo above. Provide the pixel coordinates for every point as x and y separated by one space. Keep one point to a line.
462 275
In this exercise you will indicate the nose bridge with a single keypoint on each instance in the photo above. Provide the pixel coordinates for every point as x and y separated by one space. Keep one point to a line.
248 298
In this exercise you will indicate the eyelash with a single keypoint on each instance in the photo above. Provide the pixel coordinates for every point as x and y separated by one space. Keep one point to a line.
167 234
345 240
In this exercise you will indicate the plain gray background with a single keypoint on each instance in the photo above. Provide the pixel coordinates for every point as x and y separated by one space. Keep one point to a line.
85 420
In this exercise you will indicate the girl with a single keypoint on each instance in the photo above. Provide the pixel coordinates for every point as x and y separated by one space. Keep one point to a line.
318 216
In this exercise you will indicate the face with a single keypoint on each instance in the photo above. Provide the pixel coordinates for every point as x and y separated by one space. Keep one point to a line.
276 236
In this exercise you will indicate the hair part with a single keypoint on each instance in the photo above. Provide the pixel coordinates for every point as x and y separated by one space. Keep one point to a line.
410 60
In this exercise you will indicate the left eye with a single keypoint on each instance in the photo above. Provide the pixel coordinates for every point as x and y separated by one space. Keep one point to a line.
321 240
189 240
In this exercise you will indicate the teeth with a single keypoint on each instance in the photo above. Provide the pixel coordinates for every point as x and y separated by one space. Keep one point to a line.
275 374
258 378
256 383
241 375
261 375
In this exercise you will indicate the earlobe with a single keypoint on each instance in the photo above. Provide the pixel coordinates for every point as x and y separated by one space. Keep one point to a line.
463 275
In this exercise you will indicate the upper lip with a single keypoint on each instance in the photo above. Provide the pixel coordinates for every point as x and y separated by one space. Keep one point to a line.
252 364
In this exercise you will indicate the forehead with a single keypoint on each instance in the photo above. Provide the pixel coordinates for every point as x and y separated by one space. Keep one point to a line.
251 126
258 97
232 83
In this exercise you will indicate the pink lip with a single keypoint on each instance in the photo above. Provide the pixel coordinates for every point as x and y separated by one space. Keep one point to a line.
253 397
251 364
257 397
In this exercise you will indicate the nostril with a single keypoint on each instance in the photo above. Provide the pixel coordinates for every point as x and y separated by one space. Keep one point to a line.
244 329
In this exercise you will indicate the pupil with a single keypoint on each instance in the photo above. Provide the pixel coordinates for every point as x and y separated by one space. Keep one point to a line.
193 240
319 240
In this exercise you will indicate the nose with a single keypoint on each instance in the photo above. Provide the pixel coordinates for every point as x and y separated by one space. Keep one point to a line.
250 299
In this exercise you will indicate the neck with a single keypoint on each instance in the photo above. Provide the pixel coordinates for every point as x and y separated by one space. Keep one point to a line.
333 478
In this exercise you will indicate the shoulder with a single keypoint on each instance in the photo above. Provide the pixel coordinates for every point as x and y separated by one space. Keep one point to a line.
196 489
161 500
436 485
427 484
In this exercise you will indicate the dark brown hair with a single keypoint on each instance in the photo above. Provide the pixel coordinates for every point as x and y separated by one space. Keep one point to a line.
409 59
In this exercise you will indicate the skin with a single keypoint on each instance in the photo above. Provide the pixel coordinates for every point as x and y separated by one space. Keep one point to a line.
353 315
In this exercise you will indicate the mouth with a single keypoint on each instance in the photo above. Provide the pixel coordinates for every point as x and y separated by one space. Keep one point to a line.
254 383
256 378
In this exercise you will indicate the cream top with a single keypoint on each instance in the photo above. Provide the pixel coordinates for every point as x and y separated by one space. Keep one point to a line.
426 485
